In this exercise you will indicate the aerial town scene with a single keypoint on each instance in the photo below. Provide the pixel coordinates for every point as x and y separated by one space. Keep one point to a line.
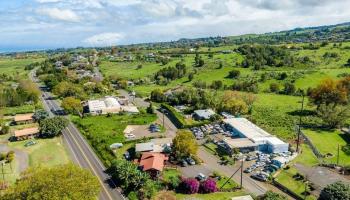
174 99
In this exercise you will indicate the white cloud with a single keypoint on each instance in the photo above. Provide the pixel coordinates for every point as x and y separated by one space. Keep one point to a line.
104 39
59 14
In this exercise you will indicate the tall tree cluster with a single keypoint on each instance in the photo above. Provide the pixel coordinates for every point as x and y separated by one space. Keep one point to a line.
331 99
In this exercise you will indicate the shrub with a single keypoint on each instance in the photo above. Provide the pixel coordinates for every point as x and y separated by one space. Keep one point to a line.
189 186
132 196
208 186
335 191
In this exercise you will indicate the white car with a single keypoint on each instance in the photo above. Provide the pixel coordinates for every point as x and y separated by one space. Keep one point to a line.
130 135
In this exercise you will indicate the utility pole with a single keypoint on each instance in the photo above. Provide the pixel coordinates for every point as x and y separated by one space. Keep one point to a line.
242 173
338 156
299 127
163 117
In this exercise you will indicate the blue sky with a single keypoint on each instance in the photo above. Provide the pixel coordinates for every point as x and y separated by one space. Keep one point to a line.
40 24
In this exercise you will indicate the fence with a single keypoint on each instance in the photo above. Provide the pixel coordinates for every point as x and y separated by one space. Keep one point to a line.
286 190
311 145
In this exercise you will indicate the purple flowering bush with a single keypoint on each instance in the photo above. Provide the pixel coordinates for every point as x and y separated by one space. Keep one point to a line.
208 186
189 186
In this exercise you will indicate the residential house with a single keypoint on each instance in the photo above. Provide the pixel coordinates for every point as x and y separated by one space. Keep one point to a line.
24 118
26 133
152 163
156 145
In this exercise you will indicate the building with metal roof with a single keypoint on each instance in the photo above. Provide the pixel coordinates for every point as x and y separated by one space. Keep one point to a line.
203 114
243 128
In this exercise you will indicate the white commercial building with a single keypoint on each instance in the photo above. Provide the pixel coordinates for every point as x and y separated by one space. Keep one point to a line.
243 128
104 106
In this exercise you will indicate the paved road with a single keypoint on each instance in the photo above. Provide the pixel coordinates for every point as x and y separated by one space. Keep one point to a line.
81 152
212 162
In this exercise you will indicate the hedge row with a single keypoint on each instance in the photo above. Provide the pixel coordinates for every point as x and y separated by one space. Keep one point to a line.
178 118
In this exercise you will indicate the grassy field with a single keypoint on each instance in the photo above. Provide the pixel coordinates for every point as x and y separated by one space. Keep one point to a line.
12 66
46 153
327 143
102 131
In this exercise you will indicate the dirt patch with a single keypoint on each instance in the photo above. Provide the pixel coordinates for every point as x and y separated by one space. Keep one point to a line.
165 195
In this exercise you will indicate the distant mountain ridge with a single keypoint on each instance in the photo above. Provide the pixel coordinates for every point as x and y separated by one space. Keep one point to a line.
332 33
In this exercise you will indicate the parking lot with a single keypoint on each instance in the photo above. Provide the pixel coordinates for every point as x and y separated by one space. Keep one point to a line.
133 132
208 129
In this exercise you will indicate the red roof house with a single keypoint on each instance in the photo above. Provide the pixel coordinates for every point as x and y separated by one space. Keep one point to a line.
152 163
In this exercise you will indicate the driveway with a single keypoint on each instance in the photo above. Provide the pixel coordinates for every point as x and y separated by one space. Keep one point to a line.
168 125
194 170
320 176
21 157
213 163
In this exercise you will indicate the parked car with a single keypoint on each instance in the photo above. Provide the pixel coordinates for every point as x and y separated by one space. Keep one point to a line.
190 161
201 177
30 143
184 163
130 136
259 176
127 155
248 170
249 158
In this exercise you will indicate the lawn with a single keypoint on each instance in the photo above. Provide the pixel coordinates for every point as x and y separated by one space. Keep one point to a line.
306 157
18 109
102 131
327 143
46 153
285 177
229 185
10 172
216 196
169 172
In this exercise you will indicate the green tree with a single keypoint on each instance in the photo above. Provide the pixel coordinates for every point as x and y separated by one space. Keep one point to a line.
274 87
128 175
235 106
217 84
234 73
59 182
269 195
157 95
333 116
52 127
72 105
184 144
289 88
335 191
328 92
40 115
190 76
150 109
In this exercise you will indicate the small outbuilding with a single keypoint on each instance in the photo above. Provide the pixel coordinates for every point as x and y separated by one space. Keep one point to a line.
280 161
203 114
